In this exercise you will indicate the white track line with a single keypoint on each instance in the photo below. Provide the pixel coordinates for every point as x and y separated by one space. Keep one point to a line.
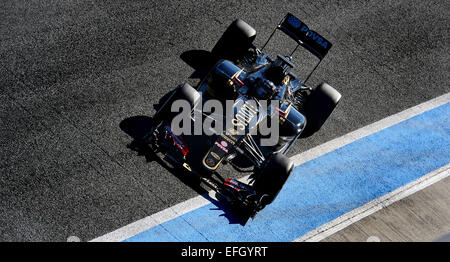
155 219
375 205
329 228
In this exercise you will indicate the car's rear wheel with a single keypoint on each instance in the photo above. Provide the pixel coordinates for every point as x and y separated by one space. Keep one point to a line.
318 106
235 41
273 176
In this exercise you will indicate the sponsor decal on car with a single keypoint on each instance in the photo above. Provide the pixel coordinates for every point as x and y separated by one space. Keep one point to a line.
244 115
224 143
219 145
296 23
231 140
216 156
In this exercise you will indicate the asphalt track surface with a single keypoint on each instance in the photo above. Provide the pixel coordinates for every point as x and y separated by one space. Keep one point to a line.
79 78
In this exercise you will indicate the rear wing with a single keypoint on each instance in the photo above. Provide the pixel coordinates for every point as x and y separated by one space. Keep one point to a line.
305 37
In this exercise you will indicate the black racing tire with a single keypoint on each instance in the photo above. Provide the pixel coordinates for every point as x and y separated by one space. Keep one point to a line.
235 41
184 92
273 176
319 105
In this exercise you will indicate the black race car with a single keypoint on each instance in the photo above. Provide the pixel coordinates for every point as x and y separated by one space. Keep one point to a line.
248 77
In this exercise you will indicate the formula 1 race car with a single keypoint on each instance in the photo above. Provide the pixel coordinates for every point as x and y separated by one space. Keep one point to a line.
249 78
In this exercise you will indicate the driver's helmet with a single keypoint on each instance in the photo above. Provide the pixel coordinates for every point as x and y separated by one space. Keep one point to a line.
264 88
278 69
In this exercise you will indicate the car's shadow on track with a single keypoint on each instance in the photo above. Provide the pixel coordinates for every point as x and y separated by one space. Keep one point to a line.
200 60
136 127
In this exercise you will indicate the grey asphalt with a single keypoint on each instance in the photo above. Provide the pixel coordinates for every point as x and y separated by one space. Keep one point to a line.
73 74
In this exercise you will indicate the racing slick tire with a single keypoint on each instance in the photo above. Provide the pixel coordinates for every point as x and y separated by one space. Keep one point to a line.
273 176
319 106
182 92
235 41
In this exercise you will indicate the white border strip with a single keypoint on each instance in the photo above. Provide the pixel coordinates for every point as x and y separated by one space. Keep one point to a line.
156 219
373 206
199 201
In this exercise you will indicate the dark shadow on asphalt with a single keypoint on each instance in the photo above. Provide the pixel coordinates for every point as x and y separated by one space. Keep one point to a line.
200 60
137 127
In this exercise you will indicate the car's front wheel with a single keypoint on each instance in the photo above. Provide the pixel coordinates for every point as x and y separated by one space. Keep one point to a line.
182 92
273 176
